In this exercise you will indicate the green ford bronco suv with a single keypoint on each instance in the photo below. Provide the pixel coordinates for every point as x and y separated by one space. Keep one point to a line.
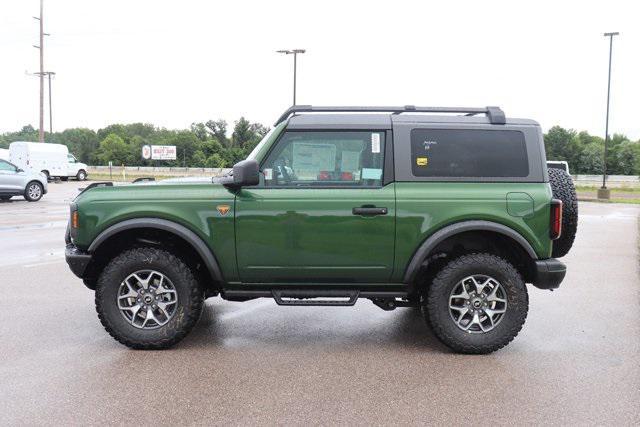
452 213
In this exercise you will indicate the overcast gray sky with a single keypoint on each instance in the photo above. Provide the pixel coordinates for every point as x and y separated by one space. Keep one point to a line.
171 63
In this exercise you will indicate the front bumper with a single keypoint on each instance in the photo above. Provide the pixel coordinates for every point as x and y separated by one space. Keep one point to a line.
549 273
77 259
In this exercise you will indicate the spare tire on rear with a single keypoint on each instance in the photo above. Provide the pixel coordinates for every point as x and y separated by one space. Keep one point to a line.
563 189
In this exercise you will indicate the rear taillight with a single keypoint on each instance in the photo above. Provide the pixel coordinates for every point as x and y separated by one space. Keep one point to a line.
556 219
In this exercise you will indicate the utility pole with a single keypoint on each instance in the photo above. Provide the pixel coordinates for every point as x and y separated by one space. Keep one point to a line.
295 53
604 193
49 74
41 73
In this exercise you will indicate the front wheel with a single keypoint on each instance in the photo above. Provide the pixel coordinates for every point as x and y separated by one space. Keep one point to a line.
34 191
81 176
148 298
477 303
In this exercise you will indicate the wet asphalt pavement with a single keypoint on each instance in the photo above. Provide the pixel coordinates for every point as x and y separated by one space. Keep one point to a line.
577 360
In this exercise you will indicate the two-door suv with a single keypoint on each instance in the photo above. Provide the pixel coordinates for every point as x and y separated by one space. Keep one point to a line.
404 206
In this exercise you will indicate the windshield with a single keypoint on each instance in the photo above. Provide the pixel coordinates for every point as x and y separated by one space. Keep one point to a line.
261 144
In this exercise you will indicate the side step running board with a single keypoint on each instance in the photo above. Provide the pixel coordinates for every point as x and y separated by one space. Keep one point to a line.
387 300
335 297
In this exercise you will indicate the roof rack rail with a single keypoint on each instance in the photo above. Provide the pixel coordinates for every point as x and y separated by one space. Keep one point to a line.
143 178
96 184
495 114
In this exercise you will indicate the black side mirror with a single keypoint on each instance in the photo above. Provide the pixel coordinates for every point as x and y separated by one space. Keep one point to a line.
246 173
19 170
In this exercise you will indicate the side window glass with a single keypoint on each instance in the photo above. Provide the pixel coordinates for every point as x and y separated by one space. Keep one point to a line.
326 159
470 153
6 166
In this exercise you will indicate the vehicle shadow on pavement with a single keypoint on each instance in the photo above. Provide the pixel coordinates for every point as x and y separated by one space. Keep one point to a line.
263 323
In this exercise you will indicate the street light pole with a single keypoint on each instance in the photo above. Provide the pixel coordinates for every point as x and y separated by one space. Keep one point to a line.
606 132
295 53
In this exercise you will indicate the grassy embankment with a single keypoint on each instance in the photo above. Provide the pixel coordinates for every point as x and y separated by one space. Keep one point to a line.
629 194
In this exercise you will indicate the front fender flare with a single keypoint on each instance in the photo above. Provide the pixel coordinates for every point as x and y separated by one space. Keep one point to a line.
162 224
460 227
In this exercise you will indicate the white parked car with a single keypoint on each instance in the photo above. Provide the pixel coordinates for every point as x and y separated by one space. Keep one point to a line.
53 160
17 182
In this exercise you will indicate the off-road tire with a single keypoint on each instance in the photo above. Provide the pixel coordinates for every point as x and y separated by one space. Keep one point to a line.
563 189
189 291
435 304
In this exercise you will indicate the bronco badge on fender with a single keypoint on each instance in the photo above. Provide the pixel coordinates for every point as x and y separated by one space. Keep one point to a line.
223 209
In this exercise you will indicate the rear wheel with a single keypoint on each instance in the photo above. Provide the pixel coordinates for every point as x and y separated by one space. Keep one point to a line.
148 298
563 189
34 191
476 304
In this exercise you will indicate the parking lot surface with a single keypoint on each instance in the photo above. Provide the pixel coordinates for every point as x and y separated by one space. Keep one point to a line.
577 360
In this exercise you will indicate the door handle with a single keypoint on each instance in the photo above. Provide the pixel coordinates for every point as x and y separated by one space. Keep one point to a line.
369 211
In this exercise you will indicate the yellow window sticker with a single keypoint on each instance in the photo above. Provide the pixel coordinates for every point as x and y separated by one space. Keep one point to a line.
422 161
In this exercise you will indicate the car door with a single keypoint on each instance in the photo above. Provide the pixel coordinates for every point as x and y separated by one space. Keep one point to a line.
10 180
322 211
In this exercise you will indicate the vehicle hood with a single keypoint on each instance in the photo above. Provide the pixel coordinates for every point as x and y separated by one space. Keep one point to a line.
185 188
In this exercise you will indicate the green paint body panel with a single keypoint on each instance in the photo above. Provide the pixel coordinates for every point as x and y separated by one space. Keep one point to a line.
423 208
191 205
297 234
520 204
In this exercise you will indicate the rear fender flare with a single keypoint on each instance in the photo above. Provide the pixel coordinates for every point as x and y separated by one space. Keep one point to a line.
432 241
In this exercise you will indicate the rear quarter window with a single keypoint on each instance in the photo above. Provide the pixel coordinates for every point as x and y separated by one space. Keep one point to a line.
467 153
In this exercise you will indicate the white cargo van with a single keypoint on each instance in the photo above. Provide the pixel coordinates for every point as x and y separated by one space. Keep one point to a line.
4 154
53 160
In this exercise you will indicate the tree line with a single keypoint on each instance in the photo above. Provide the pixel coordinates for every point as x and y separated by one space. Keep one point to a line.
208 144
204 144
585 152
